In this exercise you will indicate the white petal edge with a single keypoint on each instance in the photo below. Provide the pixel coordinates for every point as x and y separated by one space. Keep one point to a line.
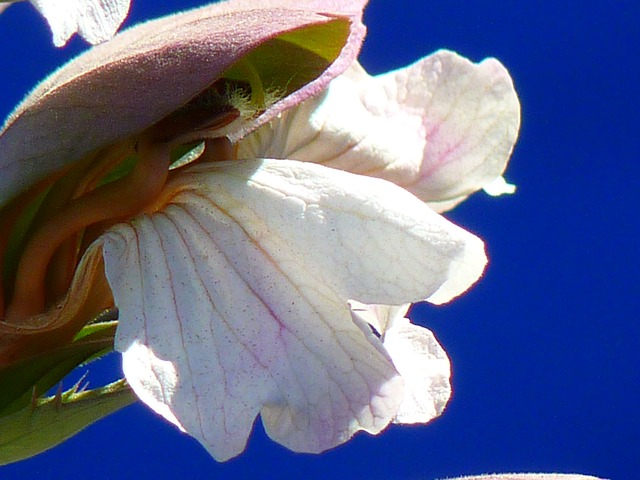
418 357
233 300
499 186
95 20
443 127
470 121
425 370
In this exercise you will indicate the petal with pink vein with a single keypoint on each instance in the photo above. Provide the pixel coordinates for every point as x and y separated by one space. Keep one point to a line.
443 127
233 299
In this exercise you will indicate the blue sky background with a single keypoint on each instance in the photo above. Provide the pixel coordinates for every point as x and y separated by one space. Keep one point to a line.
545 349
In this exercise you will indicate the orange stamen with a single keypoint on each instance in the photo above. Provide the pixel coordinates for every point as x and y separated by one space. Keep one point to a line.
89 294
9 216
103 163
62 266
121 198
218 150
61 269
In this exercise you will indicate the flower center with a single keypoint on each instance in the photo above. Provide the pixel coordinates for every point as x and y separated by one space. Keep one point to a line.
84 203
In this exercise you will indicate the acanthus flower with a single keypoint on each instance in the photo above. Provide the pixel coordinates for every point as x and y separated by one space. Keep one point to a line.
244 287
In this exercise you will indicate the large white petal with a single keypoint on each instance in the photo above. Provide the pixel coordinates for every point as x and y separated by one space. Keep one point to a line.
233 299
443 127
418 357
95 20
419 254
209 340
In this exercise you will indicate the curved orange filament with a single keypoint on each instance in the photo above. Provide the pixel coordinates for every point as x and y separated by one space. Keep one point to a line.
106 160
9 215
89 294
122 198
218 149
62 266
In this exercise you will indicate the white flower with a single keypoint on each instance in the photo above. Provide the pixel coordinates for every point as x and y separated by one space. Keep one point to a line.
262 257
247 282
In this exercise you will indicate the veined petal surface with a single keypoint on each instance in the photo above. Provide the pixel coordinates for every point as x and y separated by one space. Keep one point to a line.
443 127
233 299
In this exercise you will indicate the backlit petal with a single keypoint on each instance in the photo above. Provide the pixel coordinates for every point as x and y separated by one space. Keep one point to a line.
449 258
233 299
418 357
95 20
443 127
425 369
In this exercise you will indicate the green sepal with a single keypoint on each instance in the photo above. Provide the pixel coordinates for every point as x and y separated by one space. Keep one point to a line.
50 421
262 77
276 63
19 381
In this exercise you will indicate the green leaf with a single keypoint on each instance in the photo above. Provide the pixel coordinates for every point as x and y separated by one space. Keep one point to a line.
50 421
18 381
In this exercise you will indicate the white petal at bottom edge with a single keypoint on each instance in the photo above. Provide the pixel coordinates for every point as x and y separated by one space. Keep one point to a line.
418 357
425 370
